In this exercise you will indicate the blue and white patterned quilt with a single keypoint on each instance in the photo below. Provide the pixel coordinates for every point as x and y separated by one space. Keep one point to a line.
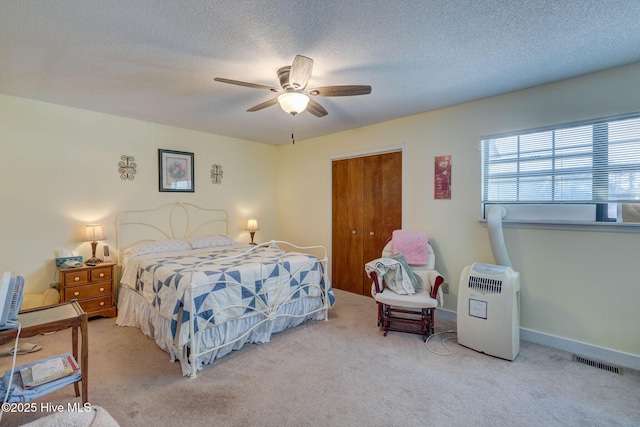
262 280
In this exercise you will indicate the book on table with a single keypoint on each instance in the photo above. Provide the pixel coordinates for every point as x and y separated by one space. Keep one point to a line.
48 370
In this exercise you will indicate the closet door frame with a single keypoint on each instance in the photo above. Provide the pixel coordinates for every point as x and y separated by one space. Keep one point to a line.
369 152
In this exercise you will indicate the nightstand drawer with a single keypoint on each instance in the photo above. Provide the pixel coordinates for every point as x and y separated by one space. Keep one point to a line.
74 278
96 303
99 274
88 291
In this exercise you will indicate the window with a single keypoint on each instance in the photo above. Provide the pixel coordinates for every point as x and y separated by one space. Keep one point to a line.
578 172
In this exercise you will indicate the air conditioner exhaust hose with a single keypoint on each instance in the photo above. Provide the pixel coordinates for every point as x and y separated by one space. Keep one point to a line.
496 237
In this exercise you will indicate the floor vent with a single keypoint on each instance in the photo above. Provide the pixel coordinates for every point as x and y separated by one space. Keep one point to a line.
597 364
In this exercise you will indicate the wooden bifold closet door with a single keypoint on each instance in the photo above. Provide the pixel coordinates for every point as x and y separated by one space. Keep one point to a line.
366 208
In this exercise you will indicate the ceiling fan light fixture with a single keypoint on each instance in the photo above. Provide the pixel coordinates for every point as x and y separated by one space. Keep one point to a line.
295 98
293 102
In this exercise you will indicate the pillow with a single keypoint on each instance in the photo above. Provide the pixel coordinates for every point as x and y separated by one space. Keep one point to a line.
412 244
210 241
155 247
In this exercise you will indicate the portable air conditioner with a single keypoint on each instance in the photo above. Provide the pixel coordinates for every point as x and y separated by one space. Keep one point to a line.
489 310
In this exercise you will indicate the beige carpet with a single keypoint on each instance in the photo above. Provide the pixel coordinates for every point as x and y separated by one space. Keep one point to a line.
342 373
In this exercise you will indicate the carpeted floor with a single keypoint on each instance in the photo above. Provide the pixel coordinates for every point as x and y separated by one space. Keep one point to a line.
342 373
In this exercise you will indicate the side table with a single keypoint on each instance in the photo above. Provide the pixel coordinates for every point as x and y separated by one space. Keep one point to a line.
57 318
92 286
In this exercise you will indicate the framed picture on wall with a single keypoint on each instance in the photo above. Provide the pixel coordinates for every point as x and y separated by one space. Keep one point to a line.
442 178
175 171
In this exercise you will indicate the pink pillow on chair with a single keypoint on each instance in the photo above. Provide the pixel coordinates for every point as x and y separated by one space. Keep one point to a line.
412 244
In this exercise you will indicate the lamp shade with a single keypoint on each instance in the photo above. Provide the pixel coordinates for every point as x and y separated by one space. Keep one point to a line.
252 224
93 233
293 102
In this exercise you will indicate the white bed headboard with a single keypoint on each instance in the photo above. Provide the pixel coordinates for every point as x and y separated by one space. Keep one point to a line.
178 220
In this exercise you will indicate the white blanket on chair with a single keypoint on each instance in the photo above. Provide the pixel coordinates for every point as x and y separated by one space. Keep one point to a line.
394 274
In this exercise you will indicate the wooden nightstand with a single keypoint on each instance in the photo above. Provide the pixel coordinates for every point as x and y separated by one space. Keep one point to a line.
92 286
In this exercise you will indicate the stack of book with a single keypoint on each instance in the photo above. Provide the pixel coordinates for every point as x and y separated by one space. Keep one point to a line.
47 371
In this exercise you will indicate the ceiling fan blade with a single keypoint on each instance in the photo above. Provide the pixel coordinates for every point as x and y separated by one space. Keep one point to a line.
239 83
265 104
316 109
300 71
350 90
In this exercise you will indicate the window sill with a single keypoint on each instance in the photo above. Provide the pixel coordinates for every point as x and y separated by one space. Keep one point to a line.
611 227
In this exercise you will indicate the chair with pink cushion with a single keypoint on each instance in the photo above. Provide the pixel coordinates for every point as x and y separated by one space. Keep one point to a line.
409 313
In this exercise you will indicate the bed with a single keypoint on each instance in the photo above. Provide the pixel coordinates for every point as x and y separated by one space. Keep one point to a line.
200 295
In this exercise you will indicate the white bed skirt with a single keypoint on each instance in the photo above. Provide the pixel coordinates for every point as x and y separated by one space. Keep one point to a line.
135 311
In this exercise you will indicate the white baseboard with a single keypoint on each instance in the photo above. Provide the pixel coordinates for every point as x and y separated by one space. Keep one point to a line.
590 351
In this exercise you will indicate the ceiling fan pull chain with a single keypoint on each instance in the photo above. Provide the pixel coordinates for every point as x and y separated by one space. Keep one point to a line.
293 130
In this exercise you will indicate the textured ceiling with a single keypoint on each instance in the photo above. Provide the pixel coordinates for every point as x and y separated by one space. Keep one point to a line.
155 60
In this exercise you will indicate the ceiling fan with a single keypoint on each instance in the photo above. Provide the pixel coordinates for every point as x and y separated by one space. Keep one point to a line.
294 96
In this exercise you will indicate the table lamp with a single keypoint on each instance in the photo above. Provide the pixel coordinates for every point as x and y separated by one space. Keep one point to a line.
93 233
252 226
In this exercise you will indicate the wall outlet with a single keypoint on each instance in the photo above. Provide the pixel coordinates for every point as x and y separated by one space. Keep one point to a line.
53 285
445 288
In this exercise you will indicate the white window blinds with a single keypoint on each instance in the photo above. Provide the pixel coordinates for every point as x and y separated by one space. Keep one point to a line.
596 162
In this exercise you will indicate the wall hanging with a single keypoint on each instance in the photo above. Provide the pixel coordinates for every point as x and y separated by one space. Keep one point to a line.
442 178
216 174
127 167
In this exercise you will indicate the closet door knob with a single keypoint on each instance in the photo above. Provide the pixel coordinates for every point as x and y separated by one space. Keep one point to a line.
353 231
